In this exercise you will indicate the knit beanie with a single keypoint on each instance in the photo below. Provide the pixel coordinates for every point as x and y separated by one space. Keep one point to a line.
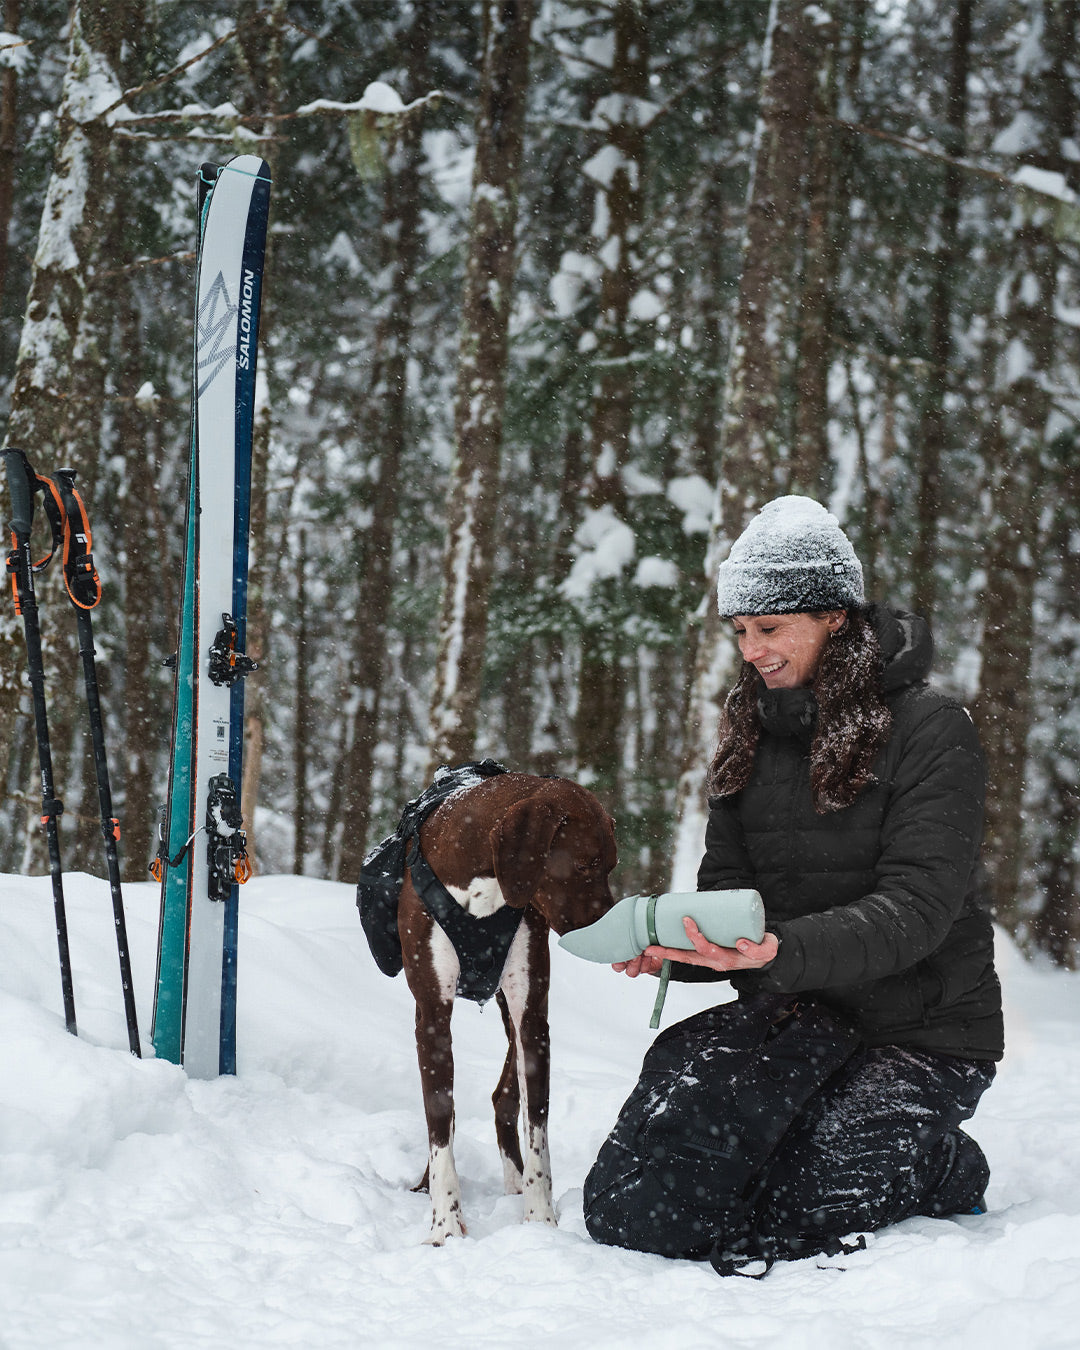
792 558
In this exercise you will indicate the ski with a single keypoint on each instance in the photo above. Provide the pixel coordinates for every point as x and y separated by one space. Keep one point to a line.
202 855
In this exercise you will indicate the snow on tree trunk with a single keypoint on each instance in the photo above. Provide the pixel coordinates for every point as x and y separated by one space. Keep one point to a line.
58 369
751 436
40 410
478 410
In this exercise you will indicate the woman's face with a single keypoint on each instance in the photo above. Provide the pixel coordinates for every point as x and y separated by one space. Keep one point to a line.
785 649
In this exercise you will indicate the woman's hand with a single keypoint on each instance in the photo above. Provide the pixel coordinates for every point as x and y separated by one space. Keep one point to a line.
745 955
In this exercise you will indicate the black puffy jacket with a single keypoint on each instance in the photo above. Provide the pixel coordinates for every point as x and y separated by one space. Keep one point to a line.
874 904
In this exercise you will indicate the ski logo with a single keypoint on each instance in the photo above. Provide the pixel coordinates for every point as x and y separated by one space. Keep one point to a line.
217 319
247 299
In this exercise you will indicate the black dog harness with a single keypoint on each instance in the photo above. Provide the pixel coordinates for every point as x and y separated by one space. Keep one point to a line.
482 943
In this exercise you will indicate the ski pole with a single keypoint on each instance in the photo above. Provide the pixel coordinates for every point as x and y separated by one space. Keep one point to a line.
84 591
22 482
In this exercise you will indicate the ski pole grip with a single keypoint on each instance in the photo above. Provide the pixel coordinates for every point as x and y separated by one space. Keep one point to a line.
22 498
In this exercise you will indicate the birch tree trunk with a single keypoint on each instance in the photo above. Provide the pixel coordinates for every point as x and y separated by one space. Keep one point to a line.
751 430
478 411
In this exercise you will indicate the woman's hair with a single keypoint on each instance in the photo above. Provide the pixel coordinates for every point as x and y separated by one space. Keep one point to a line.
853 721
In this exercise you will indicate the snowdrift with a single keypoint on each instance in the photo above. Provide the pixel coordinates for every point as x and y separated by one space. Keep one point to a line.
141 1209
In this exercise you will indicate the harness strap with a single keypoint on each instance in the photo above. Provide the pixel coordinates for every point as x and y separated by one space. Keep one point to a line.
482 944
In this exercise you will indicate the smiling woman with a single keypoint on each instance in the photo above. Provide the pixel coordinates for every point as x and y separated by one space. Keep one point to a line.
785 649
849 793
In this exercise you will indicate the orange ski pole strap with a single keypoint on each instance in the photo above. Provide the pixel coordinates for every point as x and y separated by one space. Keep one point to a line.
71 527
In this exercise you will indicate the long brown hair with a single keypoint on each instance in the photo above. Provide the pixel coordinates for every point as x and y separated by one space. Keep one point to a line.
853 721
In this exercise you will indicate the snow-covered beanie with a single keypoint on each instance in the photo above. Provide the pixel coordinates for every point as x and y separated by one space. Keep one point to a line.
792 558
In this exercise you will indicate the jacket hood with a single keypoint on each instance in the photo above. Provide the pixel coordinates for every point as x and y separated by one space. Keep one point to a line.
907 651
907 646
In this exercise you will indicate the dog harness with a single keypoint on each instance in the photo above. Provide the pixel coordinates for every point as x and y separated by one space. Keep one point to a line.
482 943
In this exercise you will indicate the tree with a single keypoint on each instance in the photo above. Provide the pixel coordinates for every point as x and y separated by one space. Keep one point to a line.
478 409
752 424
1003 709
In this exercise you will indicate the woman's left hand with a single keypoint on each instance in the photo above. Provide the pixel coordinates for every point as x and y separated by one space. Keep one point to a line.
745 955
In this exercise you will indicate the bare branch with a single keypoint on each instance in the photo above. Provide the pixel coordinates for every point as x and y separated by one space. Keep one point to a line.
159 80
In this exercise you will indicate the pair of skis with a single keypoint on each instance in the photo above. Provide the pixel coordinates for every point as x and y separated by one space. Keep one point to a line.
202 854
70 525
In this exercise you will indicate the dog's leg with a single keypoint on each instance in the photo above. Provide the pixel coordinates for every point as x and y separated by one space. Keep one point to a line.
506 1100
434 994
525 985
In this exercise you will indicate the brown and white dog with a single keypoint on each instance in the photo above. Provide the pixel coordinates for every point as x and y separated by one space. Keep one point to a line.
541 845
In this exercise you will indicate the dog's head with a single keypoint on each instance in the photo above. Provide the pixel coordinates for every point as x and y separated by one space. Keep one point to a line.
555 850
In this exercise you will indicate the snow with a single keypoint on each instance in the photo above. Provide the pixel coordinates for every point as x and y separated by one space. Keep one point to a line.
1045 182
694 496
607 546
141 1209
646 305
1023 133
654 571
14 52
606 163
378 97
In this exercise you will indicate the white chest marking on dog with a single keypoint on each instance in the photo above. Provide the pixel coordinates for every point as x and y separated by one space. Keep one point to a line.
483 897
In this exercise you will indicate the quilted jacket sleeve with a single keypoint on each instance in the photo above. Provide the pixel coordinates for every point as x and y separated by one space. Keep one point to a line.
930 840
725 867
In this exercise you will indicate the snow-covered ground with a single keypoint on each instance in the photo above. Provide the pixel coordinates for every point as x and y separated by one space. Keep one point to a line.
140 1209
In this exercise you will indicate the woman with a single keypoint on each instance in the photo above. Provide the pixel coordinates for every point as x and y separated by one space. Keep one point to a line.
850 794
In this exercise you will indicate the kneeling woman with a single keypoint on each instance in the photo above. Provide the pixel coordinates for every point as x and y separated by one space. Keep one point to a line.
850 794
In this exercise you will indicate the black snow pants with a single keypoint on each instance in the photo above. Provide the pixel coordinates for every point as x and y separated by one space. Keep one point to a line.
762 1130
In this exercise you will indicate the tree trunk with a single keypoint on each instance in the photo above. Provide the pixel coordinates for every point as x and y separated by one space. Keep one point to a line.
751 436
259 36
389 432
1003 708
619 170
810 453
9 89
478 411
932 431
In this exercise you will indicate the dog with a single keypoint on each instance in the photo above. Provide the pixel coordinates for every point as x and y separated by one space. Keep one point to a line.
544 846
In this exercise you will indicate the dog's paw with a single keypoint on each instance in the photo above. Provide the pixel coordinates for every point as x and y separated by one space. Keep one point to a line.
441 1229
540 1213
513 1182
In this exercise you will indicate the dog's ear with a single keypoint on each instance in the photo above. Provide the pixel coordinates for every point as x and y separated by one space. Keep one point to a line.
520 843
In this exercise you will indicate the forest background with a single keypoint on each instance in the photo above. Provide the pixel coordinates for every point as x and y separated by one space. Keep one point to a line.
557 295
